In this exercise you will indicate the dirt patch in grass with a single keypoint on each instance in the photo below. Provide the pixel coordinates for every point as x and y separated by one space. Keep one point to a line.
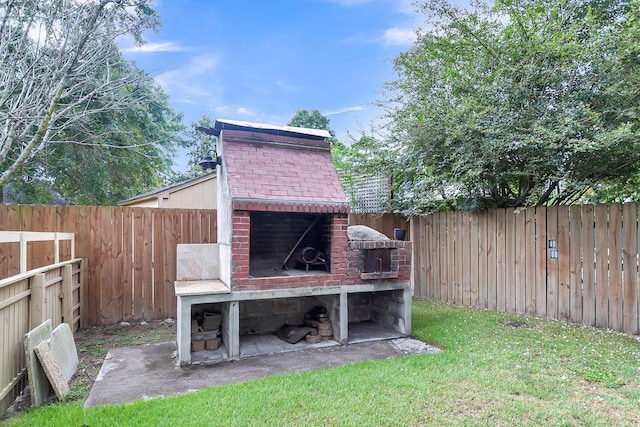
94 343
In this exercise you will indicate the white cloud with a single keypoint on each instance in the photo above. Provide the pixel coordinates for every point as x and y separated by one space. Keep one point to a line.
344 110
155 47
194 81
245 111
399 36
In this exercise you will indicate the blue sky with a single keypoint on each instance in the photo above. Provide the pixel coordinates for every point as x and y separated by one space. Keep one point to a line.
261 61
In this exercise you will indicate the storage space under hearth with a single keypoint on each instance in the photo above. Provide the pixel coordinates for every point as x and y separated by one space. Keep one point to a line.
289 244
207 343
375 315
282 324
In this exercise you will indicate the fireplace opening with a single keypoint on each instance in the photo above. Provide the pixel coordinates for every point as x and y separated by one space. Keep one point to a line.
285 244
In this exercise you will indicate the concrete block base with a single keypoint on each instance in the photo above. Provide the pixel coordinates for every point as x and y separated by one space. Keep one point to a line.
382 307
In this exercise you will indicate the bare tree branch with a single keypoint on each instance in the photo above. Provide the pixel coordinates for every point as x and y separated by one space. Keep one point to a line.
51 52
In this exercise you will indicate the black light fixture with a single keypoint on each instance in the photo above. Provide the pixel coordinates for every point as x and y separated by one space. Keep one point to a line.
208 164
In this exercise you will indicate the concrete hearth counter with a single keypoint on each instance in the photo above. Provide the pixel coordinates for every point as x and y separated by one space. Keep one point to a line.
200 287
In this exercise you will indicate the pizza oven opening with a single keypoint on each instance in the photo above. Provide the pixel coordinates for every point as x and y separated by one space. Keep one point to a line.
284 243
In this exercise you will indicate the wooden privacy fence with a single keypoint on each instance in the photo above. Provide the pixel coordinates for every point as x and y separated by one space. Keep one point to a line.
577 263
28 299
130 252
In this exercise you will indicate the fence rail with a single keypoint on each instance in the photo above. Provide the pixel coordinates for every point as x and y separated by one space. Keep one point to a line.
26 300
577 263
24 237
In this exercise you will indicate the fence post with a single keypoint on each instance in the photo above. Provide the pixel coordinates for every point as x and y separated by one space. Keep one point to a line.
82 291
67 295
38 301
23 253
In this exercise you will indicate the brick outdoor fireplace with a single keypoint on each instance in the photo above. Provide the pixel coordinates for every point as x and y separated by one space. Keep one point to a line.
283 251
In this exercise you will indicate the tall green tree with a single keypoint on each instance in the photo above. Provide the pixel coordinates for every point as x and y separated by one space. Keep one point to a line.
64 85
313 119
517 103
134 156
198 145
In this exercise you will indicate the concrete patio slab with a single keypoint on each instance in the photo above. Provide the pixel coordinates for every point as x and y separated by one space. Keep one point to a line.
145 372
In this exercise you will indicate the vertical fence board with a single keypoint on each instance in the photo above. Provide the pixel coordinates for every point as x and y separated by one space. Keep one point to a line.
465 291
474 258
427 250
564 262
588 266
207 224
575 264
158 263
109 315
196 227
552 264
451 254
615 267
442 245
172 238
529 239
419 284
521 261
421 268
14 221
83 250
510 261
28 223
541 261
424 259
602 266
430 250
185 226
415 279
425 268
5 249
213 227
139 246
423 244
492 260
630 269
482 259
49 224
127 264
457 291
147 264
95 265
500 260
120 265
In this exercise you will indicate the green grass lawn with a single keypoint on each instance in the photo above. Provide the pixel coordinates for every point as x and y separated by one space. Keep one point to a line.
496 369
